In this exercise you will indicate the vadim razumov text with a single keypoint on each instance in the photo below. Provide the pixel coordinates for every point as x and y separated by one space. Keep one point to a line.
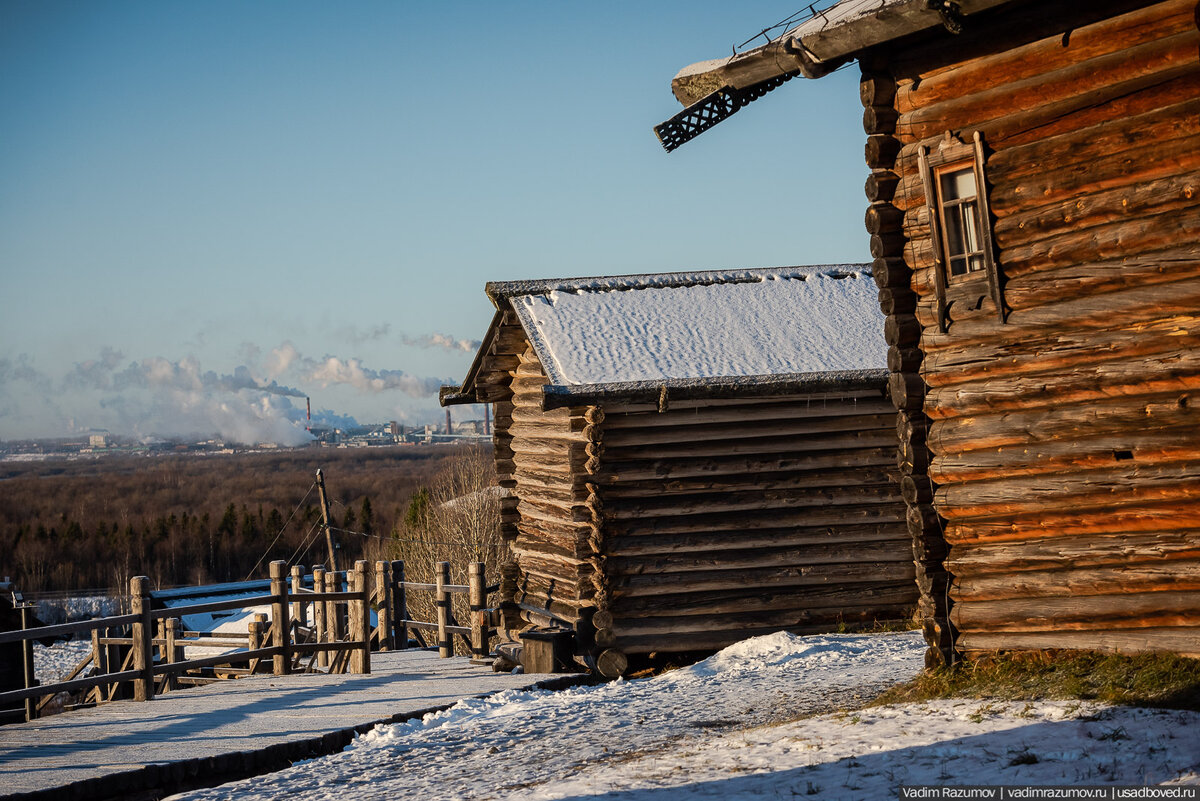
928 792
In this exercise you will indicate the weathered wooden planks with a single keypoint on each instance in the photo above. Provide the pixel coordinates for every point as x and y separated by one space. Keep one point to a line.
1061 479
702 524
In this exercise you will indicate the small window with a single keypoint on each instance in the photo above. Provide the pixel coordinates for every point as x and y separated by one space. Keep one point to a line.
961 229
958 207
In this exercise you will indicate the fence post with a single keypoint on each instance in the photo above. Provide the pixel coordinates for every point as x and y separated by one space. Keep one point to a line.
171 650
143 635
400 605
160 648
442 602
253 635
383 598
279 618
319 614
353 619
360 620
333 616
297 603
31 704
477 598
100 662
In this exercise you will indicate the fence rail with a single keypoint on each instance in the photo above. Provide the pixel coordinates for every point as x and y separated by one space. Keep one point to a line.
330 623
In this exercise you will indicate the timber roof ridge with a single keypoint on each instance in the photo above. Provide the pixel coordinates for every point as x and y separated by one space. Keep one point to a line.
500 291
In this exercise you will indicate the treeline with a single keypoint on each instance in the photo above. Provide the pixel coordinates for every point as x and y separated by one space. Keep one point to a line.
199 519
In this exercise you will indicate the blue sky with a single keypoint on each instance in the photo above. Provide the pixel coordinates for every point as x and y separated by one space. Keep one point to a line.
316 193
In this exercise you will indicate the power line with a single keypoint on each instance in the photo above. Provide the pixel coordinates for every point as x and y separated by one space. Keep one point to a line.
306 543
398 539
280 534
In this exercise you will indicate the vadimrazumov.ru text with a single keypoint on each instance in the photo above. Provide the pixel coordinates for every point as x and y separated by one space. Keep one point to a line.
927 792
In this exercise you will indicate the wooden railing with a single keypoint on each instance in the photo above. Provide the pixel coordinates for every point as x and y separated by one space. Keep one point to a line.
477 634
329 624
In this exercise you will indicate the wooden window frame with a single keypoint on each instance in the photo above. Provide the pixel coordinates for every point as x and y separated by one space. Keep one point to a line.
953 155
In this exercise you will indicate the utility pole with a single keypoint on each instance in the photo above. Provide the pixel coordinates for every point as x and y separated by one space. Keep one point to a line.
325 517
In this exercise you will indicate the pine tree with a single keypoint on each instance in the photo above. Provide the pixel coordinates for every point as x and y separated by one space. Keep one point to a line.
367 516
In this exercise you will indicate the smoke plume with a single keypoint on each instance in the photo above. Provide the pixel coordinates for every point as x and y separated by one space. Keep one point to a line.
442 341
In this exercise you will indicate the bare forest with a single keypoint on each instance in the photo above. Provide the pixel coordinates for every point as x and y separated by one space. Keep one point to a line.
199 519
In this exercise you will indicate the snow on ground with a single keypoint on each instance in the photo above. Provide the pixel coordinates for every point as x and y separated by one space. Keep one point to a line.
84 607
55 662
728 727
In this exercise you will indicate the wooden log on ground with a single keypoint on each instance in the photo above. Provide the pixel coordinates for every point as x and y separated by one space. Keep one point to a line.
611 663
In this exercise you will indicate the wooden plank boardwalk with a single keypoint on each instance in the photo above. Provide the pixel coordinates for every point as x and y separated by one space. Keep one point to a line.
228 730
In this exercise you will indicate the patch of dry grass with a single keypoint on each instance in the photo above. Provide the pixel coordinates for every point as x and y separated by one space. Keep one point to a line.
1159 680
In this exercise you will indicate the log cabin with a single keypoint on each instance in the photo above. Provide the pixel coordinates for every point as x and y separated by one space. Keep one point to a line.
694 458
1034 216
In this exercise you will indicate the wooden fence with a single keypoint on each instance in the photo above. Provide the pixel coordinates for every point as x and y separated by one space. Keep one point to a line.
330 625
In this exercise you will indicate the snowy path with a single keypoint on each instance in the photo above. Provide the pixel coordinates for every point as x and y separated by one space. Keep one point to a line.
228 728
721 729
519 740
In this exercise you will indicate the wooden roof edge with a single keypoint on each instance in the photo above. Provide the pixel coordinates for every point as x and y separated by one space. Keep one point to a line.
662 391
502 291
465 392
818 45
450 395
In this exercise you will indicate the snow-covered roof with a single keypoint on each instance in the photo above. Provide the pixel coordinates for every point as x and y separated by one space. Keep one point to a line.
795 328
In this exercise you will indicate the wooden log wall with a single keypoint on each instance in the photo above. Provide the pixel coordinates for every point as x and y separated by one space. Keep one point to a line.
1053 460
556 542
494 385
893 275
726 519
